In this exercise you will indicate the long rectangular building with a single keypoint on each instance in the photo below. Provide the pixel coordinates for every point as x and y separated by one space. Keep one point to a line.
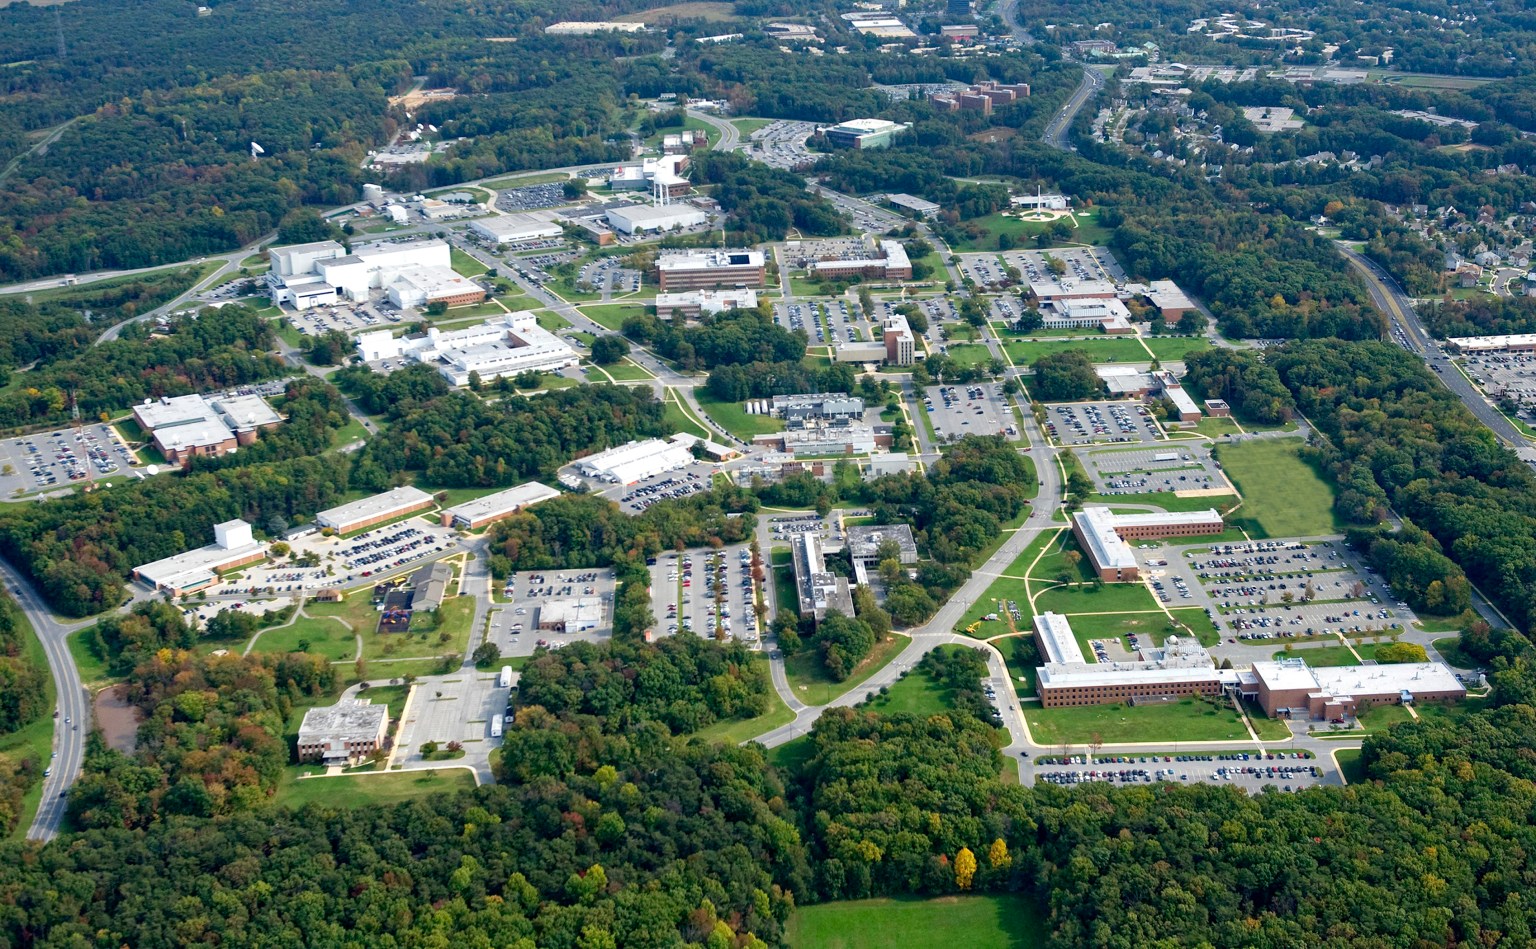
1291 688
473 515
356 515
697 270
819 590
1103 535
1179 667
636 461
233 546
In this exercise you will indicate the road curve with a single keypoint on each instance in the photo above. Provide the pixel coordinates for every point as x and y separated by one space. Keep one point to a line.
72 721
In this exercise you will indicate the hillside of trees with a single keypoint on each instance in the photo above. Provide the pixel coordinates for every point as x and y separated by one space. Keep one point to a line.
191 355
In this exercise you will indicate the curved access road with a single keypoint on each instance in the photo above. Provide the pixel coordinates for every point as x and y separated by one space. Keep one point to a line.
1392 301
1055 134
73 715
730 135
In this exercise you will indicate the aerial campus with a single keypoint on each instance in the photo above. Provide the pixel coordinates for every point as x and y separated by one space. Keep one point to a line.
717 474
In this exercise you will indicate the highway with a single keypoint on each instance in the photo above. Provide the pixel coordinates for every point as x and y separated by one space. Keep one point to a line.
1391 300
1056 132
74 706
730 135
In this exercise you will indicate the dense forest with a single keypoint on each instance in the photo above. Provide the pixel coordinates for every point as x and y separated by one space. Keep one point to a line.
190 354
459 440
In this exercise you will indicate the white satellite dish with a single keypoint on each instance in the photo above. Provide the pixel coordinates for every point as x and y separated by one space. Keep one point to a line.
257 150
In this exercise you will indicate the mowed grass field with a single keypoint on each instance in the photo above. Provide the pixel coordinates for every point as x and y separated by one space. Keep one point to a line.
365 789
946 922
1185 720
1283 496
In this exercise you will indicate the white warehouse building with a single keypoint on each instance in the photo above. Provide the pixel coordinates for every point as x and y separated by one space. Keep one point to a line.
636 461
664 217
502 347
306 275
514 228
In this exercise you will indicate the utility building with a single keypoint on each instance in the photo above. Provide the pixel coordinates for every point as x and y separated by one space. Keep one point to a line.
367 512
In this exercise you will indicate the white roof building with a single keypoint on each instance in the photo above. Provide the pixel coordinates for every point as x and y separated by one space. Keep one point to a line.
300 273
348 517
233 545
420 286
505 346
1105 546
635 461
664 217
588 27
494 507
1056 640
515 228
702 302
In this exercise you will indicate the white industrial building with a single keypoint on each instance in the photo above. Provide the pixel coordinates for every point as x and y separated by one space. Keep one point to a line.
695 303
642 218
515 228
662 176
306 275
473 515
575 615
1042 202
505 346
1109 315
589 27
636 461
189 425
356 515
233 546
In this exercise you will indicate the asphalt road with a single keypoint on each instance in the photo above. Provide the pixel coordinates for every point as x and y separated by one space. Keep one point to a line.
1391 300
730 135
73 718
1055 134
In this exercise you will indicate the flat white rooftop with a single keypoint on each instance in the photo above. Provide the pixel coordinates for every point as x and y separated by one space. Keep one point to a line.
1057 640
1163 518
1107 548
1512 341
195 566
503 502
708 260
390 502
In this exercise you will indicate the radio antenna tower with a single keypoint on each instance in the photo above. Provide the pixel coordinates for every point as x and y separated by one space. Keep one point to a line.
58 22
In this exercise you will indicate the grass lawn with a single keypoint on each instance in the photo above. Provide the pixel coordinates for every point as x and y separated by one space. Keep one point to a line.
1054 563
1199 624
813 686
1100 349
93 668
790 756
465 265
680 417
1087 231
748 126
785 596
993 601
551 321
1283 496
737 730
1449 649
625 371
1350 765
1321 655
325 637
733 417
1109 598
1188 719
524 181
1173 348
975 922
611 315
970 354
35 739
1216 427
1118 626
1171 502
1023 676
1378 718
362 790
457 614
915 692
1269 729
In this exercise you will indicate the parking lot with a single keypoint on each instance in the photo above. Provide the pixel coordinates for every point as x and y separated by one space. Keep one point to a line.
1082 263
608 276
1083 423
513 627
1245 588
825 323
976 409
782 144
1172 466
347 318
1505 375
455 707
532 197
706 592
1249 770
50 460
